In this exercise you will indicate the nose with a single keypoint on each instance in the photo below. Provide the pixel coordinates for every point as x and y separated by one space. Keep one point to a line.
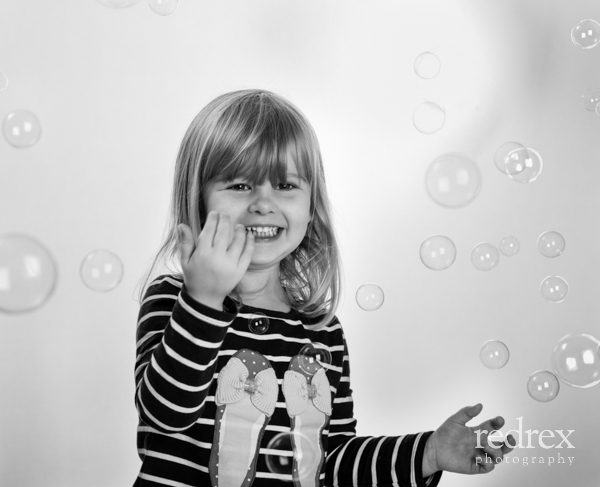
263 200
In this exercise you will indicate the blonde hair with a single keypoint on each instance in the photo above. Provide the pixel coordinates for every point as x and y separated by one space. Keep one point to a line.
252 134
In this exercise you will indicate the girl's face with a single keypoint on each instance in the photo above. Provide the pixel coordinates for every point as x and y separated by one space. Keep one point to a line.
278 216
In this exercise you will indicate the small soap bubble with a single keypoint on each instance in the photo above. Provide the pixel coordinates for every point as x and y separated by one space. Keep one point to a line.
429 117
163 7
524 165
118 3
369 297
509 246
3 81
427 65
28 274
494 354
576 360
313 358
586 34
293 454
21 129
551 244
502 153
554 289
258 323
453 180
485 256
543 386
101 270
438 252
591 99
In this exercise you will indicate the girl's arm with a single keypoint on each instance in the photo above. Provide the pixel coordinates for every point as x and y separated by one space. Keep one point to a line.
178 341
385 460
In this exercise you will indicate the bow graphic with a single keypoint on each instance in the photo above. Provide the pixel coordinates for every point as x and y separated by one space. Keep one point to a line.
233 383
298 392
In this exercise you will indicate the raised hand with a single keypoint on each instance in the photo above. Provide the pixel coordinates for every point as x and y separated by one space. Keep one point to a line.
459 448
215 262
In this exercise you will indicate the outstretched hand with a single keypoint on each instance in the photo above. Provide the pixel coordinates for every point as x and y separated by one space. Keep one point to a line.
456 447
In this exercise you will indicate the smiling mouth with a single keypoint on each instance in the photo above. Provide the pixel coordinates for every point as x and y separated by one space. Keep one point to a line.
264 232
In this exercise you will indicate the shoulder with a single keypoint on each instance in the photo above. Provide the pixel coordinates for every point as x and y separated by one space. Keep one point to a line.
164 284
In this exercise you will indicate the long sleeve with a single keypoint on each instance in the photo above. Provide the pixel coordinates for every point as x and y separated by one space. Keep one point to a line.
178 340
370 461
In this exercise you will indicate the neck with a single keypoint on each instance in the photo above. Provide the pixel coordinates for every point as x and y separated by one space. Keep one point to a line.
263 289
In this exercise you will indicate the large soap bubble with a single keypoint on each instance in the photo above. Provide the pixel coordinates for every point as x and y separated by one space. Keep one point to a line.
21 129
494 354
543 386
554 289
576 360
427 65
28 274
524 165
586 34
509 246
429 117
101 270
437 252
551 244
453 180
293 453
485 256
369 297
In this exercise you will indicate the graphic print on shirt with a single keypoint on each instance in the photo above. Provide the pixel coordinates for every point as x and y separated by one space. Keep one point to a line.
308 402
246 397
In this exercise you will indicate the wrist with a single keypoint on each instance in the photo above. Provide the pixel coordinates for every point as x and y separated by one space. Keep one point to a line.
429 464
214 302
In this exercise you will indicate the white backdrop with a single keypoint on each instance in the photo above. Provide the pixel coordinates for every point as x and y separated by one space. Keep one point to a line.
114 90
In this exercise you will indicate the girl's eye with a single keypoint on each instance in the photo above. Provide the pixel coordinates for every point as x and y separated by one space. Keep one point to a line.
239 186
287 186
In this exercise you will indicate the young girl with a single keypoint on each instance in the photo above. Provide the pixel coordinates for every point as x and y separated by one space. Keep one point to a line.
242 368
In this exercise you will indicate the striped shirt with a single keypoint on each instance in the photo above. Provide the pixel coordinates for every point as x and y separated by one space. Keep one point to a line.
183 345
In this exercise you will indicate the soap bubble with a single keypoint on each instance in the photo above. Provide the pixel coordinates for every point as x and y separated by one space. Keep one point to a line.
369 297
163 7
438 252
292 454
598 109
551 244
453 180
118 3
554 289
429 117
28 274
502 153
543 386
591 99
3 81
494 354
312 358
21 129
576 360
258 323
427 65
509 246
586 34
524 165
485 256
101 270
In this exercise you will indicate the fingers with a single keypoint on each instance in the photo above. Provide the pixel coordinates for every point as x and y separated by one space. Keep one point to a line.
467 413
206 236
223 232
186 242
240 239
492 424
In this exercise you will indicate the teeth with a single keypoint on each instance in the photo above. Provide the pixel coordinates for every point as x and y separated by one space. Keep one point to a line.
263 231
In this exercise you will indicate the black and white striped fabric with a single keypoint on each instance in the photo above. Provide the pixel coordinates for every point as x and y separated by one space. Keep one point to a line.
182 346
